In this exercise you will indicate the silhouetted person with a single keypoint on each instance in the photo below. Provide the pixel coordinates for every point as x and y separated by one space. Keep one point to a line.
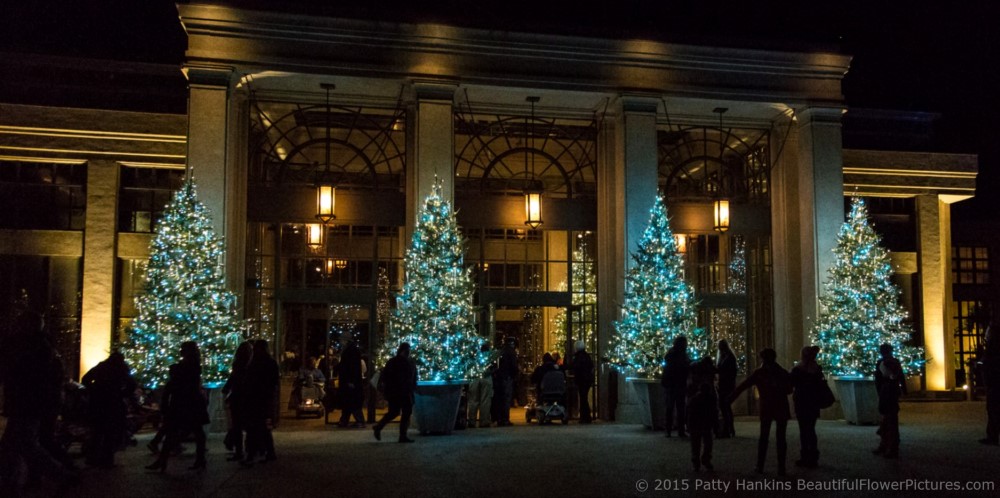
675 380
991 375
235 390
727 368
184 406
398 382
702 412
109 386
262 389
481 395
507 371
583 378
32 384
773 385
352 394
548 365
890 384
807 382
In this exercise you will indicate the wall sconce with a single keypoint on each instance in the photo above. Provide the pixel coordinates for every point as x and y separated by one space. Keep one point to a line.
332 264
533 209
314 235
340 264
681 241
721 210
326 202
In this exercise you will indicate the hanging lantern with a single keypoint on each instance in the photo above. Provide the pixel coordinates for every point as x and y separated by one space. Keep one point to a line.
326 199
314 235
341 264
681 241
533 209
721 210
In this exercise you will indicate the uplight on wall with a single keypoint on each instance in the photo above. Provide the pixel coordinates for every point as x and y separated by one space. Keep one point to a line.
721 215
533 209
326 202
314 234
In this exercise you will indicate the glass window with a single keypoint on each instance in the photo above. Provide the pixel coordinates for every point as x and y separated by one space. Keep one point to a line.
970 265
144 193
42 196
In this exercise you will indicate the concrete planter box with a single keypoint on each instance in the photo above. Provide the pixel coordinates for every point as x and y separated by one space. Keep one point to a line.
435 406
652 405
858 399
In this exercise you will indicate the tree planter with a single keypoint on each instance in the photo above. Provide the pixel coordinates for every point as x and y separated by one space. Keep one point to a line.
436 406
858 399
652 406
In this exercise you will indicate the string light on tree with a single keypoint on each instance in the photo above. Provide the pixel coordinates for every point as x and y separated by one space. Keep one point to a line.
860 309
659 304
434 312
730 323
584 294
185 297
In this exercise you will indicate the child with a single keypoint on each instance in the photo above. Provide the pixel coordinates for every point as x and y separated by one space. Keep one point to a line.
702 412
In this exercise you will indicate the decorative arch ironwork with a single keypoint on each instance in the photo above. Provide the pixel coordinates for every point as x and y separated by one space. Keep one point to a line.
509 154
699 162
351 147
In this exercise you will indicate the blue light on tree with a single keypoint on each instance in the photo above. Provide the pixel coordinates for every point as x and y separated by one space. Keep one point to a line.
860 308
659 304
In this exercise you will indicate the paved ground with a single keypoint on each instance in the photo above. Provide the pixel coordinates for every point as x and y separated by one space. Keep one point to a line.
603 459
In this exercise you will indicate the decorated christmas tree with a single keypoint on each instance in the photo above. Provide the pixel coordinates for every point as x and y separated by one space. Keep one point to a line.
659 304
860 308
730 323
185 297
434 312
584 293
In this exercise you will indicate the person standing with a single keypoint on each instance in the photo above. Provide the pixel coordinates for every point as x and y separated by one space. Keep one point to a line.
32 380
727 369
890 384
109 385
261 403
481 395
506 373
398 382
702 412
352 395
185 407
235 391
991 374
807 382
583 377
773 385
675 380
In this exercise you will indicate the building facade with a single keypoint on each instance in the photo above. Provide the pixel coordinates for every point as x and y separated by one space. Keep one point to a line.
280 104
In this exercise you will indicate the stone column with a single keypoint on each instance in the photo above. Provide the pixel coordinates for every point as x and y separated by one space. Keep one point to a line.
430 146
627 188
818 179
209 154
100 242
934 267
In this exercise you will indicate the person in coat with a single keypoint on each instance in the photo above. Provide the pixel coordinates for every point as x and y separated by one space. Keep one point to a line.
773 385
675 381
481 395
991 376
398 382
507 372
890 384
583 378
702 412
261 403
184 407
352 395
235 391
727 368
807 383
109 387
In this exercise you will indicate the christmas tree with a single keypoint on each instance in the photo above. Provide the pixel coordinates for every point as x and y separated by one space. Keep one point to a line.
185 297
730 323
860 308
659 304
434 312
584 293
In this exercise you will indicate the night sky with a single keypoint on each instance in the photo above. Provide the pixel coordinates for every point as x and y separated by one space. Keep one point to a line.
917 56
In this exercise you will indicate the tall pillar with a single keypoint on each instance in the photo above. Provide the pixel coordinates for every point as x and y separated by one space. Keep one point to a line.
934 266
430 146
100 240
819 181
210 159
627 186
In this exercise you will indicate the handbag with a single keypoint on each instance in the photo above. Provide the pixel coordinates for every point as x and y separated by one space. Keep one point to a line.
825 398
